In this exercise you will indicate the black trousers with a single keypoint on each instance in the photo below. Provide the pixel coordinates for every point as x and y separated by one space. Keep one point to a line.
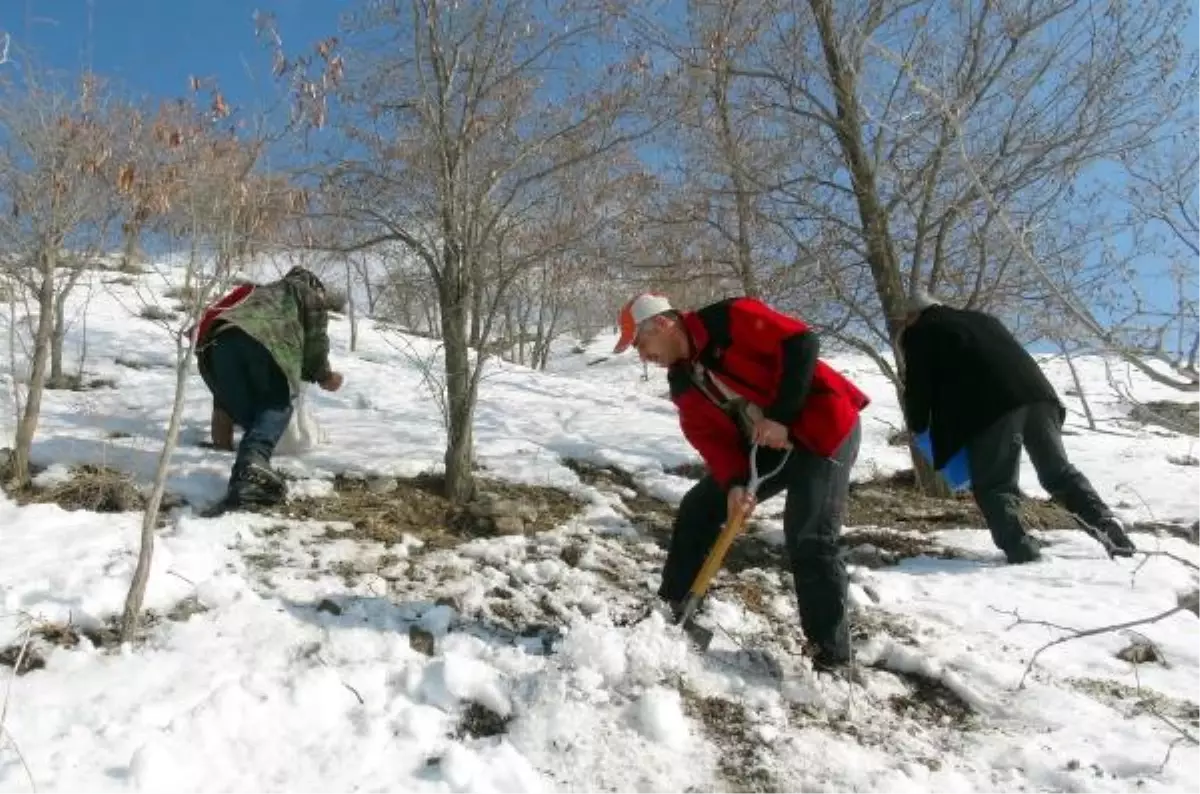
994 458
248 385
817 489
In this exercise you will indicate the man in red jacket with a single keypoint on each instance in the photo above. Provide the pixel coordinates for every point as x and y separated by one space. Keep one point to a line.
742 373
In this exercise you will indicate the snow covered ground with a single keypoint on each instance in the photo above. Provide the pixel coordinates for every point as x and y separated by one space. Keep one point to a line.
296 657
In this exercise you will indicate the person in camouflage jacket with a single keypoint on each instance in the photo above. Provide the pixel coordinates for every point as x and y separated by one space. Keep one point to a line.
254 347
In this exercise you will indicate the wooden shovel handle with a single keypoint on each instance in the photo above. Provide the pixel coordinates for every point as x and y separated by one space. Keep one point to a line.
716 556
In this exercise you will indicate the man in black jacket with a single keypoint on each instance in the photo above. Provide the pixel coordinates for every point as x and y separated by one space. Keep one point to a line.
971 384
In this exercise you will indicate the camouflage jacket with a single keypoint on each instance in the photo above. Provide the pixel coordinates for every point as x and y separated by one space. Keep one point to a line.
289 317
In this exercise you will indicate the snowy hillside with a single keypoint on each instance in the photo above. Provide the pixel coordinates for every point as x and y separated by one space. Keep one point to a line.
363 637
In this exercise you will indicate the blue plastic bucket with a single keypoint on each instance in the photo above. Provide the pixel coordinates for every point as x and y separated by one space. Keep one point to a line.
956 473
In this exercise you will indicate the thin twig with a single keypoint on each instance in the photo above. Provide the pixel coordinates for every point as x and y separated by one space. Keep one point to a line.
181 576
1182 734
353 691
1076 634
4 731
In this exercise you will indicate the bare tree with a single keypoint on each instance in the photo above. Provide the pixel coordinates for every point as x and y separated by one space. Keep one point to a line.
1163 199
472 117
727 147
55 145
926 136
217 209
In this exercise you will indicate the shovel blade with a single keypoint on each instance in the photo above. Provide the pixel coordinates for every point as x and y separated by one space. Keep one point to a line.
699 635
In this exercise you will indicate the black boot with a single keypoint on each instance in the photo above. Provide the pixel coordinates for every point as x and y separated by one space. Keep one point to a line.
255 484
832 652
1023 551
1119 544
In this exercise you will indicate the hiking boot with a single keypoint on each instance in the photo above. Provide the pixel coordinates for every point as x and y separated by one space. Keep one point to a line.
833 653
1119 544
1023 551
256 485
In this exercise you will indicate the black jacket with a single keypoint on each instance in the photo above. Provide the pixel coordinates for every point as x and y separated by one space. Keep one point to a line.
963 371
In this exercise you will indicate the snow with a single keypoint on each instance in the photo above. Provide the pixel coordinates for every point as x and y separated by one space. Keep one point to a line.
301 671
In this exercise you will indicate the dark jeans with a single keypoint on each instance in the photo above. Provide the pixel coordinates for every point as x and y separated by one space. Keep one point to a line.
817 488
247 384
994 457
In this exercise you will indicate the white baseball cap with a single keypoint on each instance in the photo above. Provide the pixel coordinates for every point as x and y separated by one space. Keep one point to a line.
636 312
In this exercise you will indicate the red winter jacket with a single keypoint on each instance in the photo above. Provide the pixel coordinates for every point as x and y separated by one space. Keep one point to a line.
771 360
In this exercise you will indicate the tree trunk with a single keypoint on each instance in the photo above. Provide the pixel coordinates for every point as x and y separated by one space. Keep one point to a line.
55 380
476 311
59 334
351 313
741 193
544 354
454 300
27 427
881 253
141 574
928 481
132 232
1087 409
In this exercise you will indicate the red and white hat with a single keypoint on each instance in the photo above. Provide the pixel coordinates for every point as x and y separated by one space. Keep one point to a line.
636 312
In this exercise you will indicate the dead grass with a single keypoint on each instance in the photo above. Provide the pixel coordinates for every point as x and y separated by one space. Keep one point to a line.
1179 417
75 382
931 702
730 728
1132 700
106 637
96 488
652 516
480 722
385 510
868 623
692 471
894 501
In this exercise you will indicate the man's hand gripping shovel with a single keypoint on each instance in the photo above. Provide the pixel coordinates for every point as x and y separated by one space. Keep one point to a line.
716 556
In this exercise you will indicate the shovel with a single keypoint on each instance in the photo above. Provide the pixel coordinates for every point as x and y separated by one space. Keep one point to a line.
716 556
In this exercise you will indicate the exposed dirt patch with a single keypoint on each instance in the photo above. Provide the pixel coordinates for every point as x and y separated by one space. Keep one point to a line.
1175 416
891 500
106 637
868 623
751 594
479 722
895 501
931 702
130 363
1141 651
751 551
75 382
651 515
692 471
386 509
1134 701
1188 532
729 726
876 548
96 488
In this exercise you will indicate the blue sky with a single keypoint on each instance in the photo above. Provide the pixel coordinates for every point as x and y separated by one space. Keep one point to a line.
153 46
